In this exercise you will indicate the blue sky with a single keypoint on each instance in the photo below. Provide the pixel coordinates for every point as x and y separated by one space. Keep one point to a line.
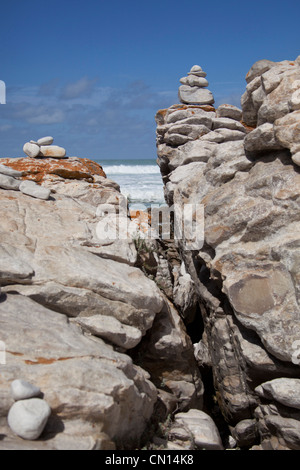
93 73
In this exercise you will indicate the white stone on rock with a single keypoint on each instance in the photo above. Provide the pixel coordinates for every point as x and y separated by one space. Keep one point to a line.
195 95
28 418
193 80
6 170
31 150
197 71
8 182
45 140
22 390
52 151
35 190
198 74
196 68
184 80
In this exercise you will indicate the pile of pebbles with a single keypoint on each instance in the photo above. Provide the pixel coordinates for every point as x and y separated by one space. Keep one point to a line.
29 414
43 148
194 88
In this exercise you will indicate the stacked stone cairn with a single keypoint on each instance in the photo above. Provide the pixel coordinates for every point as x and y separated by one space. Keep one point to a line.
194 88
10 179
29 414
43 148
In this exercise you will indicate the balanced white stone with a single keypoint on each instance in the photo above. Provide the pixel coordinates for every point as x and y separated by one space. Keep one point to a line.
46 140
28 418
43 148
195 95
193 89
31 150
197 71
194 81
52 151
22 390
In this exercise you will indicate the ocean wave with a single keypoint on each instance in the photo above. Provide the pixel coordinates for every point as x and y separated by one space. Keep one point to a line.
142 195
131 169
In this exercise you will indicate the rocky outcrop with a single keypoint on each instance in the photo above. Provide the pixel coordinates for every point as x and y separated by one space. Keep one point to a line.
241 165
74 308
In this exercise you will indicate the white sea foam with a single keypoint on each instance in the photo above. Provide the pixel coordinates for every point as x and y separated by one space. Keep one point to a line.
140 182
131 169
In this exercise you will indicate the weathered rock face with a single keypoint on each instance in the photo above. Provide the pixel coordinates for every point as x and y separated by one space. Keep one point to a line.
90 387
271 102
244 171
72 304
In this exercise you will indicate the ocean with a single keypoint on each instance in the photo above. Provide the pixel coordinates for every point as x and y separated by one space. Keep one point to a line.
140 180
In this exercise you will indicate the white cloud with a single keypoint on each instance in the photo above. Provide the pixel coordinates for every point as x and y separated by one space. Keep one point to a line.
55 116
83 87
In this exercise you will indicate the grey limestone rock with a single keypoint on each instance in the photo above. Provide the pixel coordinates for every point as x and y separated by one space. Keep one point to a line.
6 170
8 182
34 190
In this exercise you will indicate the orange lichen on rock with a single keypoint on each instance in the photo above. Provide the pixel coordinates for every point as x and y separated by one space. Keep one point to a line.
162 112
142 219
205 107
43 360
140 215
248 128
36 169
